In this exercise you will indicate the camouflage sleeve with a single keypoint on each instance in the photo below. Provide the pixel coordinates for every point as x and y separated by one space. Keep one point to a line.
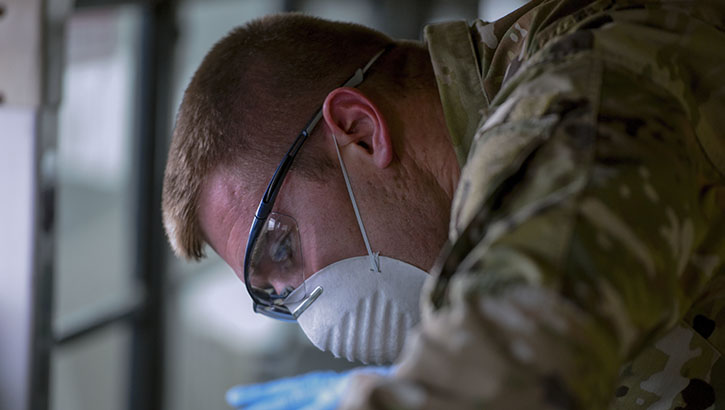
587 222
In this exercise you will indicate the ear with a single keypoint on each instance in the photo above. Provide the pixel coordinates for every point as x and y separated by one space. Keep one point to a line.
355 119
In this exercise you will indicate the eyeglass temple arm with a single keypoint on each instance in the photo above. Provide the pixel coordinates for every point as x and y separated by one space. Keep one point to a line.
354 81
265 206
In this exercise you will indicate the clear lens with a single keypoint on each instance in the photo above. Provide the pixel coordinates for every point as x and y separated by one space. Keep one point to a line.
276 267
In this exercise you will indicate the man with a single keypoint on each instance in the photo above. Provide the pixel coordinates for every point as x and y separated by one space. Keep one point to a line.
572 150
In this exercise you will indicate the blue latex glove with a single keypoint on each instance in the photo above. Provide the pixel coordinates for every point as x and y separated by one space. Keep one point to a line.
320 390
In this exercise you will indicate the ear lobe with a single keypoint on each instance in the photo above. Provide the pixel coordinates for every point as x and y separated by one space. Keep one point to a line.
354 119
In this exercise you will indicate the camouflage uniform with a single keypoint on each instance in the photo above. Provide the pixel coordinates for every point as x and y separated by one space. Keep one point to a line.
585 264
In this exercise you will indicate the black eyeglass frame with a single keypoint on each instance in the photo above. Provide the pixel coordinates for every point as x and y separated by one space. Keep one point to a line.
275 311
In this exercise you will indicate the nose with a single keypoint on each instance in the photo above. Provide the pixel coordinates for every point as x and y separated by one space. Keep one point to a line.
284 283
284 287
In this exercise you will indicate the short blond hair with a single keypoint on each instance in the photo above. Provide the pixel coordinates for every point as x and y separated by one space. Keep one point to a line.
249 98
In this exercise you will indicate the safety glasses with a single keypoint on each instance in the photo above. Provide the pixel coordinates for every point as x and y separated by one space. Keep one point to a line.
273 265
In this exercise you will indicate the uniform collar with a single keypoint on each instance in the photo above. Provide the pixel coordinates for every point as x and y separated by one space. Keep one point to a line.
458 75
472 62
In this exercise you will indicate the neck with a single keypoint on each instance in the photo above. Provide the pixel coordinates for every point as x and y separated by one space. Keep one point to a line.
447 169
430 143
426 140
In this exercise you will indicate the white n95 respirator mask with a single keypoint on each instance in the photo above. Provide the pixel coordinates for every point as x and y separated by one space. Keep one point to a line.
360 314
360 308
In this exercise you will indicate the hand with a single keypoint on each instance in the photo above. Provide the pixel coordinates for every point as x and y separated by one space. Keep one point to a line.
321 390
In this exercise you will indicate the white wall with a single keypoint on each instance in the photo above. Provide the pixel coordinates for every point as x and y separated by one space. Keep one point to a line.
17 159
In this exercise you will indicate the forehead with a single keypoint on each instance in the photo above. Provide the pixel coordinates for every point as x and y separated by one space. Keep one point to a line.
226 209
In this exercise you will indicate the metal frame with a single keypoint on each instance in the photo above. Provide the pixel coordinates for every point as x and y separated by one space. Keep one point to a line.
148 362
32 37
144 312
31 33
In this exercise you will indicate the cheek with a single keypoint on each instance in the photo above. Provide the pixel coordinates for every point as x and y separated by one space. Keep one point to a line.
329 239
411 222
329 233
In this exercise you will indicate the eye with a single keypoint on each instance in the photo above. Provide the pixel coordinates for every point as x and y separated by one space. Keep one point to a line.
281 250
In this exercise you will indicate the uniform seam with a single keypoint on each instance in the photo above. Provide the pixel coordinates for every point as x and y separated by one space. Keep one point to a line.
682 321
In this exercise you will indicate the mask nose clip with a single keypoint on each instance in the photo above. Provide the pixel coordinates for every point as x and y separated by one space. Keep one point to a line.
307 302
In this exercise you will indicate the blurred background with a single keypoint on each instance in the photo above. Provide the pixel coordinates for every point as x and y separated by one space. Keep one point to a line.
95 313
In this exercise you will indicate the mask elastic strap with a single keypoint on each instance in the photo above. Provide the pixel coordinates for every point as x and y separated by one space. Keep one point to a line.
374 263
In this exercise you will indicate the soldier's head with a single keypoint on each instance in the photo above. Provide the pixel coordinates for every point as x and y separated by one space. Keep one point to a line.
252 95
